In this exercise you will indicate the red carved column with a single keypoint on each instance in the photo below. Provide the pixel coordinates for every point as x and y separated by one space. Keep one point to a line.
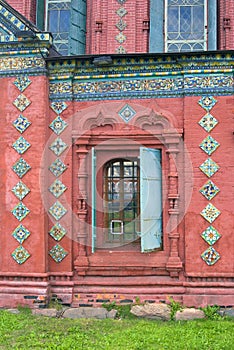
174 263
81 262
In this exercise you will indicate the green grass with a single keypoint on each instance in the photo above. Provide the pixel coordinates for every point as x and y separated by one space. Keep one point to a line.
24 331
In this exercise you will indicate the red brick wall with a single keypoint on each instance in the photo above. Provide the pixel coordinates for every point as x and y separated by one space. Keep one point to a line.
226 24
26 7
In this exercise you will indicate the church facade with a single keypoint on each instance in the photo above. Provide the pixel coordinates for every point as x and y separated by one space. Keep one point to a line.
116 152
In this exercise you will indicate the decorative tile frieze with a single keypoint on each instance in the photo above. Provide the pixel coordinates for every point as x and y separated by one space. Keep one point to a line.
209 167
58 125
21 123
20 255
21 63
121 25
207 102
21 167
20 190
21 102
127 113
20 211
121 12
21 234
209 190
58 146
209 145
58 106
210 213
22 83
208 122
57 188
120 38
21 145
57 167
57 210
57 232
210 235
210 256
58 253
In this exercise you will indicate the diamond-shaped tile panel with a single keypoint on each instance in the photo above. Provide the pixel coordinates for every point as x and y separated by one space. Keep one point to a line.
21 145
57 167
20 255
127 113
21 167
207 102
22 83
20 211
209 145
210 235
21 234
57 232
120 38
121 12
121 25
209 167
21 102
210 213
58 253
208 122
58 146
58 125
210 256
21 123
57 210
20 190
58 106
57 188
209 190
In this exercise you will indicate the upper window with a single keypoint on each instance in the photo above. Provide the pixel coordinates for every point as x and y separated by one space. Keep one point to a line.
58 22
185 25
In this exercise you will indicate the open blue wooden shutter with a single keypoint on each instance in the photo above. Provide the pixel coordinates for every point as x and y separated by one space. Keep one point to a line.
150 199
93 200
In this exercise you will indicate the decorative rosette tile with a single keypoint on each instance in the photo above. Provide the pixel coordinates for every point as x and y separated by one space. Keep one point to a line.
58 106
210 256
120 38
208 122
21 123
20 211
207 102
121 2
21 234
209 190
20 190
58 146
121 49
209 167
57 188
57 232
58 253
22 83
121 25
57 210
210 213
57 167
21 145
210 235
21 167
20 255
209 145
127 113
21 102
58 125
121 12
